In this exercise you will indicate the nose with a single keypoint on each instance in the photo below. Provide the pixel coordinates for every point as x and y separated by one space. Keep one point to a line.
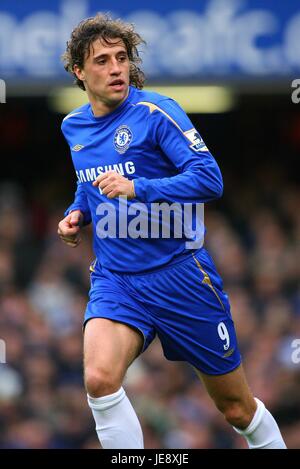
115 67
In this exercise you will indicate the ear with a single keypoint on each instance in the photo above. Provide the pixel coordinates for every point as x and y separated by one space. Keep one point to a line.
79 72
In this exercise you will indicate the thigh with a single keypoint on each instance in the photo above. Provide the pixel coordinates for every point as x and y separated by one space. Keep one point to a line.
230 387
111 299
191 314
110 345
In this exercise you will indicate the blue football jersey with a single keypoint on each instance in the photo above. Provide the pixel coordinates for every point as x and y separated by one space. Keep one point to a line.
151 140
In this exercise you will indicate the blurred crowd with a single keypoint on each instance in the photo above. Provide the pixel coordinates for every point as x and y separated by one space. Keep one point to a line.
251 234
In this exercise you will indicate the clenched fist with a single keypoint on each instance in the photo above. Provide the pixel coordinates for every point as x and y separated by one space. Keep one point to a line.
69 228
113 184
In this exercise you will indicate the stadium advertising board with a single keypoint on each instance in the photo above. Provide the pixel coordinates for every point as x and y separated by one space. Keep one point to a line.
187 40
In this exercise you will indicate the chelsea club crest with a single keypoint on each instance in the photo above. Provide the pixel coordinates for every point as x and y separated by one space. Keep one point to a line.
122 138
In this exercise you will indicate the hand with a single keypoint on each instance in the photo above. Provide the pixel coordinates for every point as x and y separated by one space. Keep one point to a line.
69 228
113 184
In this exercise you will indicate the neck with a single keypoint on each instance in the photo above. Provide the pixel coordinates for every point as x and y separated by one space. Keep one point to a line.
100 107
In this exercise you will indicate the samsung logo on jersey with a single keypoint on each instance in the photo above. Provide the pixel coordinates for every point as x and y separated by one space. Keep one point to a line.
90 174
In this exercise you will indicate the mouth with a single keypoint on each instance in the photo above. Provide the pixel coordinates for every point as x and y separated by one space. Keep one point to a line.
117 85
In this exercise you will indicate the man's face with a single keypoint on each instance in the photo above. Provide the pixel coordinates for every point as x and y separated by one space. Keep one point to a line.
106 71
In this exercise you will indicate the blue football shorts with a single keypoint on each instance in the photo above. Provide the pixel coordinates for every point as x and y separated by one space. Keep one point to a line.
182 302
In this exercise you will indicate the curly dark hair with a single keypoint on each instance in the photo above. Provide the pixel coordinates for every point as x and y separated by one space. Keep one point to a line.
104 27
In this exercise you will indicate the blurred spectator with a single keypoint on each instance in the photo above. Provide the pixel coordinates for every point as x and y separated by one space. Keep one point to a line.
42 398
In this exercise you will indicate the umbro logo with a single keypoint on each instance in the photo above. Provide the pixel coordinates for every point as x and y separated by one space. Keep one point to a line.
77 147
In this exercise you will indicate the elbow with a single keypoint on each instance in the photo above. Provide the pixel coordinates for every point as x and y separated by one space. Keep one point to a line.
218 182
214 183
219 189
216 188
